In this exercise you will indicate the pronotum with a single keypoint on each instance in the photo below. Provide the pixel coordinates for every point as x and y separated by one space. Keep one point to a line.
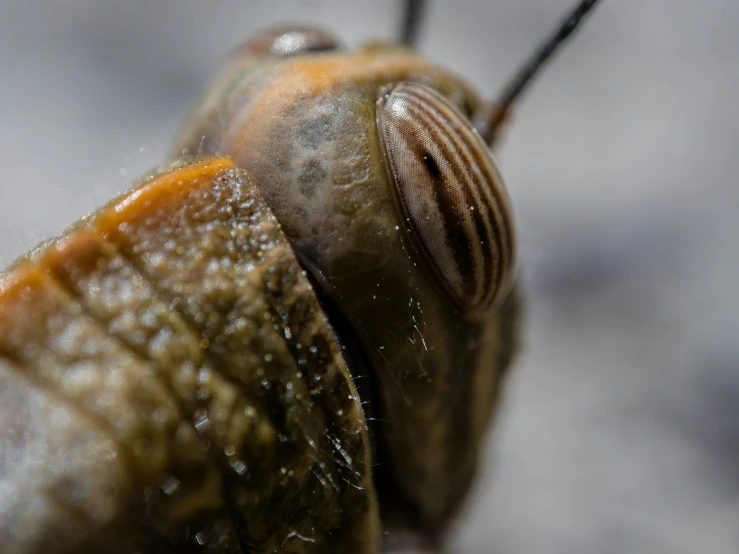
289 338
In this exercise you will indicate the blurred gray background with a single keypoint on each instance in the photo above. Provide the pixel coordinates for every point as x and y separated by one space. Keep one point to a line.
620 432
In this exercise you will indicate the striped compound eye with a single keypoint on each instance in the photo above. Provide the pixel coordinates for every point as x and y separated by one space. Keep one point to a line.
451 194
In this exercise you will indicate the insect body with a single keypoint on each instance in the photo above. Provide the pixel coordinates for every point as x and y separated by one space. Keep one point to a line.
188 374
341 168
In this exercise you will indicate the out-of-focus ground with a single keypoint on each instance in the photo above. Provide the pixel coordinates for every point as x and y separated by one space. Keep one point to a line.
620 431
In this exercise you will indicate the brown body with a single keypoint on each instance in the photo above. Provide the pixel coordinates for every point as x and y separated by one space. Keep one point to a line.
180 384
187 384
305 130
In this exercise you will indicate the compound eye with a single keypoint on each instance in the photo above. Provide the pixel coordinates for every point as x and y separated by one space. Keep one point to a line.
290 40
451 195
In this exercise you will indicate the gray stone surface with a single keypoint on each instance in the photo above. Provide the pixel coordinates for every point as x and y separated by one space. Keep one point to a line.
621 427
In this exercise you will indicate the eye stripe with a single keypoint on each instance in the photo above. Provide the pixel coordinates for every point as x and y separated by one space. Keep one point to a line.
467 146
455 156
451 194
453 134
441 136
497 201
488 227
449 137
495 197
451 209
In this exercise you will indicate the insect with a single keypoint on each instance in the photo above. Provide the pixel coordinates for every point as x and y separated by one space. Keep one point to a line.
290 338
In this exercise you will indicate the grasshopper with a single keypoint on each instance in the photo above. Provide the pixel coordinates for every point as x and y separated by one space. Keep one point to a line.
291 337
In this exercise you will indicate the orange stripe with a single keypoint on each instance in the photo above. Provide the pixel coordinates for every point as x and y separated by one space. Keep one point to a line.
159 191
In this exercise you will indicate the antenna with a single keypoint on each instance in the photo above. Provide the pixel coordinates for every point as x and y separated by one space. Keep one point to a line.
488 124
412 15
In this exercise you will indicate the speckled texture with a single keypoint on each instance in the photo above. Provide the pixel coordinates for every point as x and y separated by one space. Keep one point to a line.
177 321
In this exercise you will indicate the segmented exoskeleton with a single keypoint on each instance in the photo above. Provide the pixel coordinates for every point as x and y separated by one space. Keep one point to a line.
289 339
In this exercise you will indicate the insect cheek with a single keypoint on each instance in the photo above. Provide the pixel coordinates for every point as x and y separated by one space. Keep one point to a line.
450 195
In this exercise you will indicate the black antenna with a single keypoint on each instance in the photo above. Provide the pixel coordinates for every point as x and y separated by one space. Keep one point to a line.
489 124
412 14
